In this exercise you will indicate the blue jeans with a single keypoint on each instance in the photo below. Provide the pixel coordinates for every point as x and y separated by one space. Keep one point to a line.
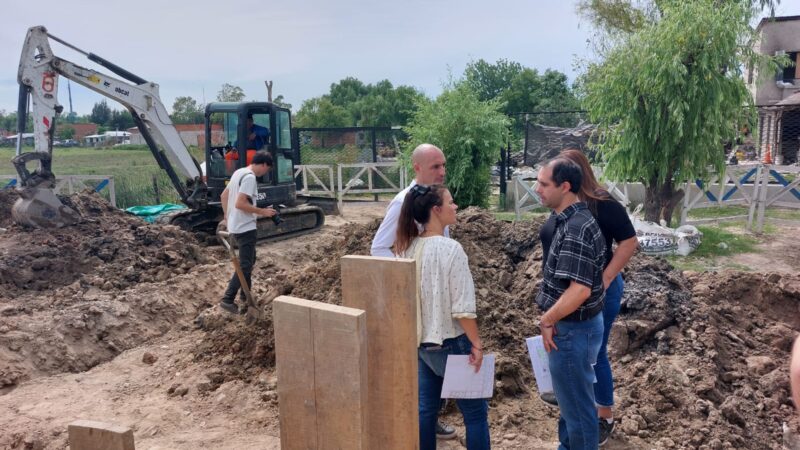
604 389
431 363
571 367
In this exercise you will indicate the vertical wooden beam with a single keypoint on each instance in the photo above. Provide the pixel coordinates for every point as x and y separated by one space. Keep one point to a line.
91 435
321 360
386 289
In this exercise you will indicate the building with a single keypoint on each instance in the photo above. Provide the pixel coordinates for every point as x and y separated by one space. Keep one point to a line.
775 95
108 138
191 134
81 129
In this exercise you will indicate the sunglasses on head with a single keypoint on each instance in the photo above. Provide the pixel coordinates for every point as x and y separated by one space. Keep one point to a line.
420 190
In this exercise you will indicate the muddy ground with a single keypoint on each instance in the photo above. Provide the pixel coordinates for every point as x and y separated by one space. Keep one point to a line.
114 320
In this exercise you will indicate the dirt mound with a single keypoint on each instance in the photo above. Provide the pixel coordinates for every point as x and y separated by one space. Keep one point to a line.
73 297
108 249
7 199
699 361
497 251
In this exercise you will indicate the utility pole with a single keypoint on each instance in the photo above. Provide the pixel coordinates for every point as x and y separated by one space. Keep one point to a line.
269 90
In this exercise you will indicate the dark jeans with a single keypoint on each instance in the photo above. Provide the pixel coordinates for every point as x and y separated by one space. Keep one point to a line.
431 364
572 369
604 388
247 259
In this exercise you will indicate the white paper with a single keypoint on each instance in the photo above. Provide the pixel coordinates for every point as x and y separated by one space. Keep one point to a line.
461 380
541 365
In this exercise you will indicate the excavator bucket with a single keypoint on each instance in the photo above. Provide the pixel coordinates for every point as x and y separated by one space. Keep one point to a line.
40 208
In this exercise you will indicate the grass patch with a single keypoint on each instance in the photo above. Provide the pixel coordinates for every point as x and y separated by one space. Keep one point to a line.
529 215
717 246
133 167
727 211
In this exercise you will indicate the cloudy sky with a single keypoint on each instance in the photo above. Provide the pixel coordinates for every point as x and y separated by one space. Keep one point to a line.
190 48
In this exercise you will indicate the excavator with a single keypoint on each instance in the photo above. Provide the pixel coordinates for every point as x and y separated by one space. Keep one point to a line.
229 145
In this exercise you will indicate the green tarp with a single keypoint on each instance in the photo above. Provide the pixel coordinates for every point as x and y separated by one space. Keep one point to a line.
151 213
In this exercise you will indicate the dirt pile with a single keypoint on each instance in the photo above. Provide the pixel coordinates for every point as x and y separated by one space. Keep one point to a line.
109 249
700 361
706 370
73 297
504 260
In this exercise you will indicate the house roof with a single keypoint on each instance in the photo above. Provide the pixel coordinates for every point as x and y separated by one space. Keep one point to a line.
792 100
766 20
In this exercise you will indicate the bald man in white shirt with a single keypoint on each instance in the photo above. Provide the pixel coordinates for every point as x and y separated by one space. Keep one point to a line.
429 168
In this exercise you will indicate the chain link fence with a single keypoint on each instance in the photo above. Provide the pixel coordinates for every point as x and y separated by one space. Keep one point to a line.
778 138
349 146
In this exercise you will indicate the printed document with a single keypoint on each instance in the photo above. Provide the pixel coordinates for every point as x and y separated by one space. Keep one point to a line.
461 380
541 366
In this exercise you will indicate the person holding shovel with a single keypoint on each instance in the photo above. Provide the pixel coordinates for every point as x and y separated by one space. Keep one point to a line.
240 214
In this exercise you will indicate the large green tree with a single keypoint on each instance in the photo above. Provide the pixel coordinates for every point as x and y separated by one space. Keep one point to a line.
669 96
629 16
379 104
469 131
522 89
186 110
320 112
101 113
230 93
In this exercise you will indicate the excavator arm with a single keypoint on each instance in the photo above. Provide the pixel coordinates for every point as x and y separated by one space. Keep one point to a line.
38 74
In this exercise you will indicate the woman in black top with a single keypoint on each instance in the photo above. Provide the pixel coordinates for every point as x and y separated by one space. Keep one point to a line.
616 227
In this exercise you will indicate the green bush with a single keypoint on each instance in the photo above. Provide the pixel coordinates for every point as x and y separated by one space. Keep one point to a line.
469 132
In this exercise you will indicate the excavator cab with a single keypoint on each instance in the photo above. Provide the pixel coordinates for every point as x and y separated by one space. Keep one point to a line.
234 133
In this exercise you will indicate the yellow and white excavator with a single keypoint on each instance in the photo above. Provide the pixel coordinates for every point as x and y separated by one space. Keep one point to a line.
226 126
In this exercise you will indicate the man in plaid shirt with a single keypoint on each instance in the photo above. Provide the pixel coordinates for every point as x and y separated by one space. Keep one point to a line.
571 298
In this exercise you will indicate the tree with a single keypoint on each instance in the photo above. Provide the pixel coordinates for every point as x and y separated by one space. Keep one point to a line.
120 120
101 113
320 112
668 98
186 110
280 101
469 131
630 16
362 104
230 93
490 81
66 132
523 89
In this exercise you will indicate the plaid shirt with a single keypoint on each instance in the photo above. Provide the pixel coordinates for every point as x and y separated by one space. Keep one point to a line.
577 253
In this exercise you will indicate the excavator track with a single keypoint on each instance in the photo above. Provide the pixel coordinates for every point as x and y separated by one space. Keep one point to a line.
294 221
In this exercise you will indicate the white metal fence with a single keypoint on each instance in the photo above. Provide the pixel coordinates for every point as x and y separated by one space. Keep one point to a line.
755 186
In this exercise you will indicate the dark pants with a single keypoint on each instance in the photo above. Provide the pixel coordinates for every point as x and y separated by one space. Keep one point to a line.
430 368
247 259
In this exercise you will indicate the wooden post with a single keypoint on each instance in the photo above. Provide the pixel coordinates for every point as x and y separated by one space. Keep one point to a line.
386 288
321 360
155 190
91 435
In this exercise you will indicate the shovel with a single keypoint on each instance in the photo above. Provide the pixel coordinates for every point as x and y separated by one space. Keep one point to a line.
252 309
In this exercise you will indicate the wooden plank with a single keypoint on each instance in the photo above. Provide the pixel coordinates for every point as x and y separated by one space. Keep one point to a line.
294 362
340 367
91 435
321 360
386 289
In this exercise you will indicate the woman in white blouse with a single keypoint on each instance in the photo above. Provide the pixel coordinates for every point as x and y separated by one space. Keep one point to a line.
446 308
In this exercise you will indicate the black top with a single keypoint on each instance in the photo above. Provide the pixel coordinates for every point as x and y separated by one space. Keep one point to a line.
614 224
578 255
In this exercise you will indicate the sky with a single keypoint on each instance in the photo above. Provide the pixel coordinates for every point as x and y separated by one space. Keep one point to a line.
190 48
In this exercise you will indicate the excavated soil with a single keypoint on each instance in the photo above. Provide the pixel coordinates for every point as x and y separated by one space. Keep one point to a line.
700 359
74 297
